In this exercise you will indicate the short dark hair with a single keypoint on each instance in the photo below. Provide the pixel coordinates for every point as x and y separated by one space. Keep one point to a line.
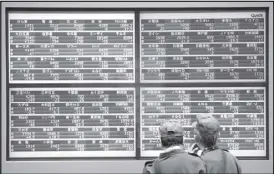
208 127
171 140
209 140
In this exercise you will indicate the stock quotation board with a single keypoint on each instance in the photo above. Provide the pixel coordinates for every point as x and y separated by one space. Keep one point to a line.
80 122
241 112
202 47
76 48
72 86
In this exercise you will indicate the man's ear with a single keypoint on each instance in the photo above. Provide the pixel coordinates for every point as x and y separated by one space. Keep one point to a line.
196 132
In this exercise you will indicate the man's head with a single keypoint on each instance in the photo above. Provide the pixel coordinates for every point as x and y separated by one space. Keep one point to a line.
207 130
171 133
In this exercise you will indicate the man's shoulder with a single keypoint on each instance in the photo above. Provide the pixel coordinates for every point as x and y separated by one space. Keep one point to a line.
177 153
192 161
189 157
218 153
230 155
227 152
186 160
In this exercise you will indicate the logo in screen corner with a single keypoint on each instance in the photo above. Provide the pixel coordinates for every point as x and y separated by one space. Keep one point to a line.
257 15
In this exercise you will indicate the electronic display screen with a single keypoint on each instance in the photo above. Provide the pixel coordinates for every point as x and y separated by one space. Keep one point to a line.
241 112
71 47
74 78
65 122
202 47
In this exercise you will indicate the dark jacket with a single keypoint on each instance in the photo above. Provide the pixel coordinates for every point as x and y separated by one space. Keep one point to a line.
217 160
221 161
175 161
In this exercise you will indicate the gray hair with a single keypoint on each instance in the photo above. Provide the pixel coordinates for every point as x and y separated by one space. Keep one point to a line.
208 140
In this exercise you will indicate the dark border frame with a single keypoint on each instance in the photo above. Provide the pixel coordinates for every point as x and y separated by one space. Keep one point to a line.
137 83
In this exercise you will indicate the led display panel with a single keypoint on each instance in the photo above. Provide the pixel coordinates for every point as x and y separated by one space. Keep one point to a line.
203 47
78 122
71 47
241 112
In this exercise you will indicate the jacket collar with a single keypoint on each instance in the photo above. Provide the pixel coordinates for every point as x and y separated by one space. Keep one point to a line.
173 148
168 154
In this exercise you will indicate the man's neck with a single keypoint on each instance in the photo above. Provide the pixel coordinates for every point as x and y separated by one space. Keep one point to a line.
203 147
